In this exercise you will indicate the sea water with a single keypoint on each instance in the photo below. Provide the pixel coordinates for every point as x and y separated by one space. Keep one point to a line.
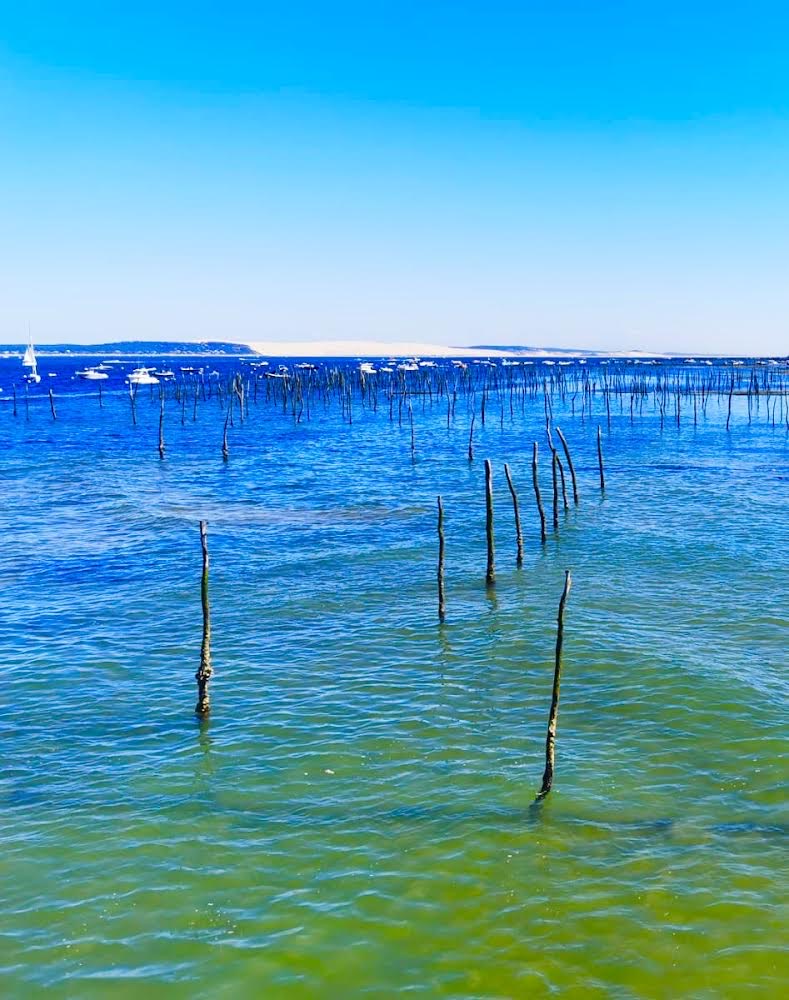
355 818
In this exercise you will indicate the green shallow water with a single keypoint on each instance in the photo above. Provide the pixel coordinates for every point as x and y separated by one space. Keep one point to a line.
356 818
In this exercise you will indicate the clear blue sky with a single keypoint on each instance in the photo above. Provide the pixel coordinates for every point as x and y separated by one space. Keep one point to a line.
611 175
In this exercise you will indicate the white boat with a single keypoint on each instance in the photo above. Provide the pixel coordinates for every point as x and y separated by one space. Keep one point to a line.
164 373
29 361
92 374
142 376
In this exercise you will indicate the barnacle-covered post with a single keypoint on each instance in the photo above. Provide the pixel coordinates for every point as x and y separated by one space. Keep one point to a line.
516 509
490 574
537 496
205 670
570 465
600 457
442 604
550 740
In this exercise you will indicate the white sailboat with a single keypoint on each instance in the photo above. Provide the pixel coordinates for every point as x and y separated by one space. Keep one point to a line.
29 361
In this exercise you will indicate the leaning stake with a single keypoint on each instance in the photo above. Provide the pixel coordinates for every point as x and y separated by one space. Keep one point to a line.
516 509
537 496
570 465
204 671
442 604
490 575
550 740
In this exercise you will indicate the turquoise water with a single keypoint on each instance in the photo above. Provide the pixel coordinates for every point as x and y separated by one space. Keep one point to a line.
355 818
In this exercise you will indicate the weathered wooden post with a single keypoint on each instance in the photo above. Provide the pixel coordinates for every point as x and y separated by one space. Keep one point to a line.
562 480
490 574
471 438
52 404
516 510
537 496
570 465
550 740
161 422
205 670
225 449
442 604
600 457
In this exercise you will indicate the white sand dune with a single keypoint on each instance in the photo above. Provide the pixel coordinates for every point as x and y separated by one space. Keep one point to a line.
409 349
368 349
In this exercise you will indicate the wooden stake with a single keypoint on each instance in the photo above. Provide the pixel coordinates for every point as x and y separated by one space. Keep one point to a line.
550 740
225 449
161 423
570 465
205 670
537 497
52 405
518 532
600 457
471 439
442 604
555 480
562 480
490 575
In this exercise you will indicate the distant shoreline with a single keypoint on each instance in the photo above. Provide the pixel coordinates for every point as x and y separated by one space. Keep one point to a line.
340 349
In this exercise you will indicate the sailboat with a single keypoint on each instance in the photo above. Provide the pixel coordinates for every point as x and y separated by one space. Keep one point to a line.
29 361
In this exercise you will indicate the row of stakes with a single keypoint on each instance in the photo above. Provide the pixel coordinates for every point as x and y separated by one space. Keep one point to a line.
205 670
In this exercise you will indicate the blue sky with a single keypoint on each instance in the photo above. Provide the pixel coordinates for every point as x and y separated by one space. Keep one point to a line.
609 175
